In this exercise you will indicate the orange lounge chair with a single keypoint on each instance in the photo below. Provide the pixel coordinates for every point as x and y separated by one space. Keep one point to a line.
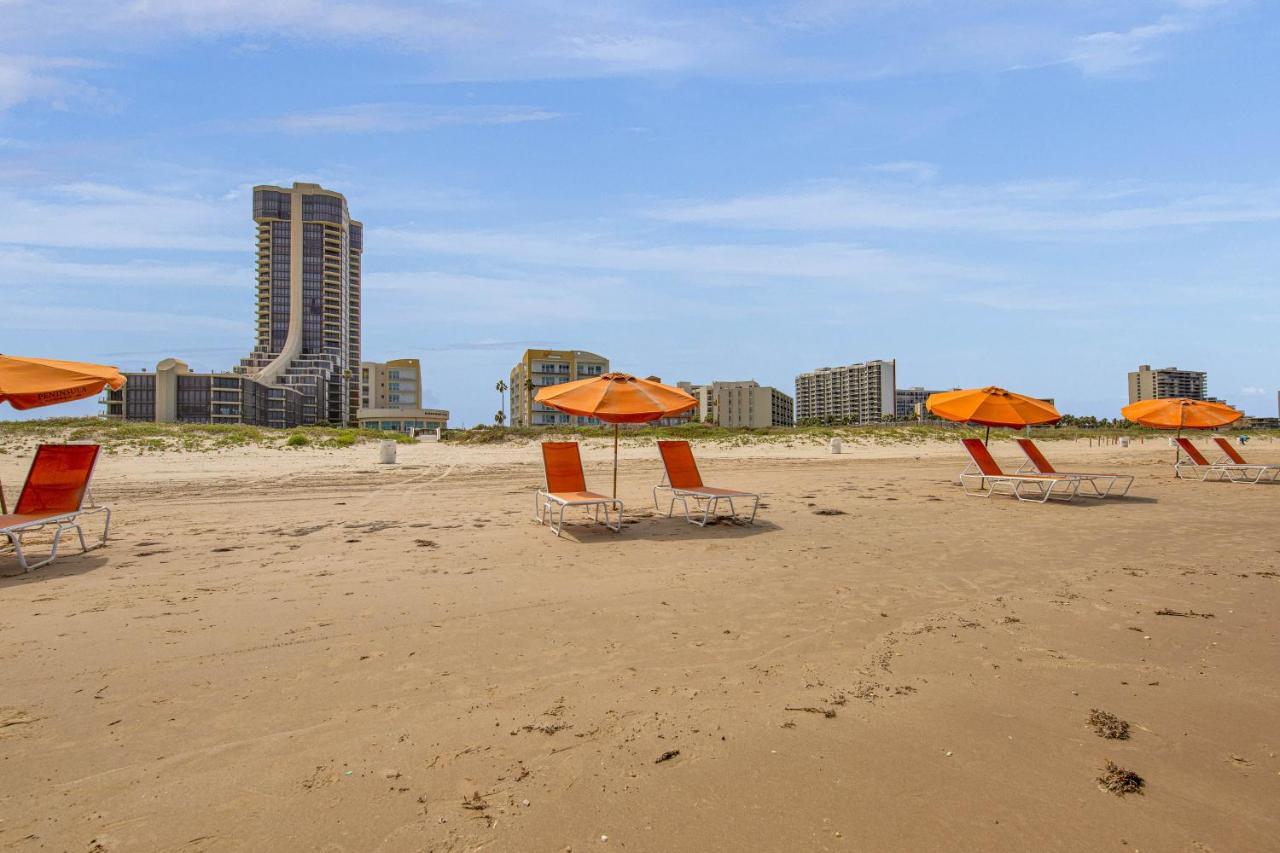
683 481
1244 472
989 472
567 486
54 494
1036 463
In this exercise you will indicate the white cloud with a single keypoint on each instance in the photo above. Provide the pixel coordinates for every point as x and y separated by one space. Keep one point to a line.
101 216
391 118
911 168
1045 209
35 78
25 266
1254 391
738 264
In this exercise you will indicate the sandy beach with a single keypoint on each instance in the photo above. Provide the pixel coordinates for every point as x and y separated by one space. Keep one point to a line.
304 650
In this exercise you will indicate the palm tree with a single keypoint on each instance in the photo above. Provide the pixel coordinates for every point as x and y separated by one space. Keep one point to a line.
501 388
499 417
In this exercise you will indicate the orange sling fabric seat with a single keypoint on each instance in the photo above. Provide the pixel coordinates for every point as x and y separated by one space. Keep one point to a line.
1231 452
54 494
567 486
1193 452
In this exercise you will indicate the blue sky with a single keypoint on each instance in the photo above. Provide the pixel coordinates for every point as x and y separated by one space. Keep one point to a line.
1040 195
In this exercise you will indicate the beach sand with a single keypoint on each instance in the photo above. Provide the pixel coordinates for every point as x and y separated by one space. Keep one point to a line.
304 650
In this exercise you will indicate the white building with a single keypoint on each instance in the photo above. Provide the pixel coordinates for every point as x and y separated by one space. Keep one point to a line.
855 393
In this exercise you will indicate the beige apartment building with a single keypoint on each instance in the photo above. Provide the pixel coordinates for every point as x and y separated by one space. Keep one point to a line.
1148 384
391 398
541 367
854 393
741 404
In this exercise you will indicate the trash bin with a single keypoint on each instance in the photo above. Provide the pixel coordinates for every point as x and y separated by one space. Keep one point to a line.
835 445
1124 441
386 452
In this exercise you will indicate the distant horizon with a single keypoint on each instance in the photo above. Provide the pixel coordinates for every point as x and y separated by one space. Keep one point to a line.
1041 198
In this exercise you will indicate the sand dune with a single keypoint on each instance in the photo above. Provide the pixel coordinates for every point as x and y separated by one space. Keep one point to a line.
305 650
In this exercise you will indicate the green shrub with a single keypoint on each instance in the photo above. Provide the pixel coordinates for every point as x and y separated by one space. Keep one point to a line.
297 440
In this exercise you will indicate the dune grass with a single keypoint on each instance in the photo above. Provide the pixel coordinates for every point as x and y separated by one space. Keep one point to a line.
887 433
142 437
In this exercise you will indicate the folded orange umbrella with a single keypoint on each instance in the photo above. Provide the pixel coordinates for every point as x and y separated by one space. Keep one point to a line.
992 406
616 398
27 383
1180 413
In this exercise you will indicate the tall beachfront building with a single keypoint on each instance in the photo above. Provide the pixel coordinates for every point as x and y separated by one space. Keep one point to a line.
1148 384
539 367
855 393
309 252
305 366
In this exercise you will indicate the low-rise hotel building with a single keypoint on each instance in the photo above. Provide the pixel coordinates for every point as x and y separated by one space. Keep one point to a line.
741 404
391 398
541 367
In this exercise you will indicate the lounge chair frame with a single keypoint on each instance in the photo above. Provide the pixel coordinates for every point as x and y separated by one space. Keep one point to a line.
1031 466
703 502
706 500
1046 486
1195 466
1240 471
60 522
546 502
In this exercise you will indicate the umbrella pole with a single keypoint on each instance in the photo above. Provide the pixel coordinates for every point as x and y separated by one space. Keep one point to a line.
987 440
4 508
615 460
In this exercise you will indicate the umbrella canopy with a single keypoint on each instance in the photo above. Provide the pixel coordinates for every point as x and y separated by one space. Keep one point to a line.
992 406
1180 413
27 383
616 398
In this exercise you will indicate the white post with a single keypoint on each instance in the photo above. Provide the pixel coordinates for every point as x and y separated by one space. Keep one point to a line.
386 452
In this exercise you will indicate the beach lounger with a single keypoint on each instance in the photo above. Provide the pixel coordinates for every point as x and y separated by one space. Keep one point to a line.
1241 471
54 495
567 486
1196 466
683 481
1061 486
1102 484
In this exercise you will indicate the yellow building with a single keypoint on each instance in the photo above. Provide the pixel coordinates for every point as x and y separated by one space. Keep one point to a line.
541 367
391 398
396 384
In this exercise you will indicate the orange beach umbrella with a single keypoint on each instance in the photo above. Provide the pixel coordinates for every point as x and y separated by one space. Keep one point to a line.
1180 413
616 398
28 383
992 406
